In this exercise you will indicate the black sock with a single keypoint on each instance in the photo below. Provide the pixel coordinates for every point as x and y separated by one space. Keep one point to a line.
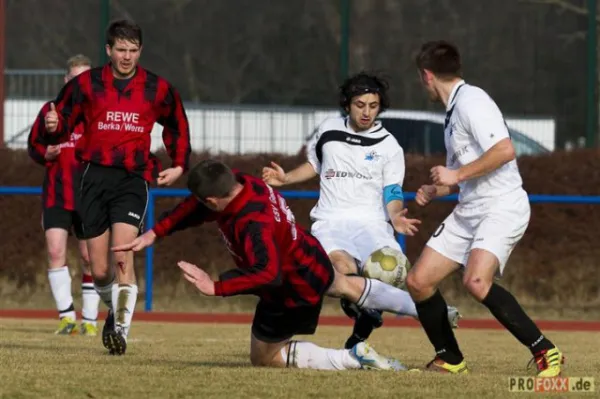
511 315
363 327
433 315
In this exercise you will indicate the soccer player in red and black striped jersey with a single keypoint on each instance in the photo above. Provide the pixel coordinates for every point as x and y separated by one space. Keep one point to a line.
277 260
118 105
59 216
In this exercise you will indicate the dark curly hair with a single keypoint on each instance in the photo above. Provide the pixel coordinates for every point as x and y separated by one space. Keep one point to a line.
363 83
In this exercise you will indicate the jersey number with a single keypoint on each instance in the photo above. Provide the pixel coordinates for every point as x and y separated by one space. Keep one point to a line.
289 216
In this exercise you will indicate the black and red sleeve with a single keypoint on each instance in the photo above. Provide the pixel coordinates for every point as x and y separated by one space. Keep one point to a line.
263 258
69 106
188 213
176 129
36 146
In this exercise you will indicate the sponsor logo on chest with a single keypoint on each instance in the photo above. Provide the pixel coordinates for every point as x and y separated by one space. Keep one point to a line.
121 121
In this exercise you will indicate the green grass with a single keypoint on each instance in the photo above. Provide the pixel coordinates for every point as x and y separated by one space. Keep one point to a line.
212 361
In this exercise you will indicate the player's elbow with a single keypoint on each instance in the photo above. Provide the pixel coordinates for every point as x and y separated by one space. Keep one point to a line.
276 279
506 149
272 277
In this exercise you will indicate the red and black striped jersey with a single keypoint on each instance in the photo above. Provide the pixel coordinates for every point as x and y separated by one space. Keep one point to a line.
118 117
276 258
61 180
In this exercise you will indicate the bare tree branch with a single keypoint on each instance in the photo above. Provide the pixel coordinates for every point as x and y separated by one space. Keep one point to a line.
563 5
571 37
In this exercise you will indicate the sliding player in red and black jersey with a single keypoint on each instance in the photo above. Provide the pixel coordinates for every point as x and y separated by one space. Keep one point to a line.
59 216
118 105
278 261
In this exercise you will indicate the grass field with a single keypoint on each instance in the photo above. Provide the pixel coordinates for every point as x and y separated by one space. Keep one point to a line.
170 360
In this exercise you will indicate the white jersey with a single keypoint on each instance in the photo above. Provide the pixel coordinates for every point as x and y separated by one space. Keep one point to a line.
354 168
473 125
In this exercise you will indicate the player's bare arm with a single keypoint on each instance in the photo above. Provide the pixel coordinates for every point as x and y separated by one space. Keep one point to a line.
428 192
401 223
275 176
500 154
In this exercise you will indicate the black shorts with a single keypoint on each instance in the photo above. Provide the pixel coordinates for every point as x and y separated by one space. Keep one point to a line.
60 218
110 195
273 323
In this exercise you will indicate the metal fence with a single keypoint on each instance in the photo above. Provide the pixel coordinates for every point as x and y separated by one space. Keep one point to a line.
296 52
243 129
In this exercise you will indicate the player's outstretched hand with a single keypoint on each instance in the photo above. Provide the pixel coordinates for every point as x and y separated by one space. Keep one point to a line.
51 119
52 152
198 277
404 225
143 241
444 176
273 175
169 176
425 194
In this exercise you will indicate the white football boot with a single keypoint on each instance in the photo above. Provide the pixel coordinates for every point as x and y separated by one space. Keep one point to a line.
371 360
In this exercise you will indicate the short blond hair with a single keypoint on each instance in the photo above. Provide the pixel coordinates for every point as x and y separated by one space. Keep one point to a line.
78 60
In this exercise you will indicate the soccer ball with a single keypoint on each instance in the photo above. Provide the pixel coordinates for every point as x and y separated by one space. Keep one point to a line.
388 265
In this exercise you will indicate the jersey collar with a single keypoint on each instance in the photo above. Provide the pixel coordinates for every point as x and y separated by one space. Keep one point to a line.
453 94
108 77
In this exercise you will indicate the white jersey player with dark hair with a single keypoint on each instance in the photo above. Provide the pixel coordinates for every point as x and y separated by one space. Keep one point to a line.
361 169
491 216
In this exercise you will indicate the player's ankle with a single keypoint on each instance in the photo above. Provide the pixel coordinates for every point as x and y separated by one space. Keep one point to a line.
542 344
451 357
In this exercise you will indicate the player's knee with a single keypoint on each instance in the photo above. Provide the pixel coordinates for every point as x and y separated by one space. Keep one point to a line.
343 262
260 360
477 286
101 276
344 266
417 286
122 259
57 254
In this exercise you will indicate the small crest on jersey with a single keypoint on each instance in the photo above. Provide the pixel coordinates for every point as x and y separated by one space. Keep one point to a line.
372 156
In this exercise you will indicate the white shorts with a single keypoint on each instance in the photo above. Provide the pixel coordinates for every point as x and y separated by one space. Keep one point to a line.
359 238
495 227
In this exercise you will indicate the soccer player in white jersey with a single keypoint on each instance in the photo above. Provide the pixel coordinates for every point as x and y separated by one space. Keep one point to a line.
361 168
491 216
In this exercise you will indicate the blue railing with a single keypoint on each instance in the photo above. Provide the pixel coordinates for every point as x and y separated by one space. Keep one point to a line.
166 192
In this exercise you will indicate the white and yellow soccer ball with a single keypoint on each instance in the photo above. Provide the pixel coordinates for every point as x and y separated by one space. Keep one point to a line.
388 265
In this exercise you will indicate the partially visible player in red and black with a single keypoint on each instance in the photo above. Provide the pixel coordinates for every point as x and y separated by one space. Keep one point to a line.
119 105
59 217
278 261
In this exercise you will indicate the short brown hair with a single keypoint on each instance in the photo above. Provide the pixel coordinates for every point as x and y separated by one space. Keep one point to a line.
440 57
78 60
123 29
211 178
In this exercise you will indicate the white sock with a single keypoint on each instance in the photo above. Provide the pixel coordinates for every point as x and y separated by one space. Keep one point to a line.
60 285
306 355
106 294
91 300
381 296
124 305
